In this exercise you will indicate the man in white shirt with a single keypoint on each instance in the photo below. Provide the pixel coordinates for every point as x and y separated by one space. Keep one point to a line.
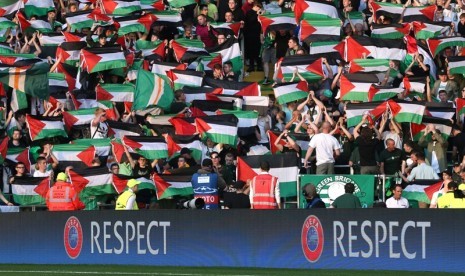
422 170
397 201
327 149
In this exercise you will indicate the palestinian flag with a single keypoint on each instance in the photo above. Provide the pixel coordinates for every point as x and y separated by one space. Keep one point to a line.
70 73
177 142
206 107
152 4
161 68
219 128
383 93
289 92
57 83
320 30
283 166
166 18
390 31
416 87
440 110
355 17
92 181
70 52
75 37
184 126
234 87
16 155
152 50
180 3
173 185
460 103
207 63
129 24
83 98
436 45
3 149
200 93
79 20
430 190
5 23
188 50
422 14
256 103
32 80
152 89
101 59
6 49
181 78
428 30
119 129
120 7
115 92
416 190
395 11
78 118
120 183
301 139
102 146
443 125
43 128
118 151
151 147
32 26
30 190
247 120
355 87
277 22
368 65
227 28
407 112
18 60
8 7
229 51
38 8
236 101
356 47
456 64
314 9
355 112
74 155
308 66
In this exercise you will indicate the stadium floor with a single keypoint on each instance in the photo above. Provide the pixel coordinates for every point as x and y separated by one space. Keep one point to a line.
67 270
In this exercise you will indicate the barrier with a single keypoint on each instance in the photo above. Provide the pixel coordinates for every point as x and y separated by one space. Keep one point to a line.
411 239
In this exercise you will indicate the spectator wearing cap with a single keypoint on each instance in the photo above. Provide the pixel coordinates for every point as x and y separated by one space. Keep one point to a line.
312 198
396 200
186 154
127 200
444 83
208 185
62 196
236 196
347 200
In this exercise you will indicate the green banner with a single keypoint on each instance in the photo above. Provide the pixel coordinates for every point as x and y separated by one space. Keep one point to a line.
329 187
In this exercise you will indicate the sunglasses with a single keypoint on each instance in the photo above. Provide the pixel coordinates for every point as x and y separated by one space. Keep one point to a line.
20 167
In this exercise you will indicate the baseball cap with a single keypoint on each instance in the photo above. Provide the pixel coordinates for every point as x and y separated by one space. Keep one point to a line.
207 162
327 93
442 71
185 150
132 183
62 177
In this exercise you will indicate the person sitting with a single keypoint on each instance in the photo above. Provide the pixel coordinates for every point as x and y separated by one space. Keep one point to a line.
312 198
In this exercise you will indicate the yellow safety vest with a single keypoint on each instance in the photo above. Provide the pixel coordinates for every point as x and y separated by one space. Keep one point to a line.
446 200
122 201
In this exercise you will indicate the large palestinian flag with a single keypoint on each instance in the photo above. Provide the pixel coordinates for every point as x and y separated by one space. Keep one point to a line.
173 185
284 166
8 7
120 129
74 155
219 128
355 87
355 112
43 128
443 125
229 51
92 181
151 147
205 107
320 30
101 59
436 45
188 50
102 146
389 31
415 190
120 7
16 155
38 8
30 190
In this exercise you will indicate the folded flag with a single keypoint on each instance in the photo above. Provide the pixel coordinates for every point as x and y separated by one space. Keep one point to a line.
320 30
283 166
152 90
38 8
120 7
92 181
115 92
173 185
151 147
188 50
436 45
43 128
100 59
120 183
219 128
32 80
277 22
74 155
30 190
289 92
314 9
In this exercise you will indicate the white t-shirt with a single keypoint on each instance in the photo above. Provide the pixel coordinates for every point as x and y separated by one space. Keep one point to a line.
38 173
393 136
394 203
325 145
99 133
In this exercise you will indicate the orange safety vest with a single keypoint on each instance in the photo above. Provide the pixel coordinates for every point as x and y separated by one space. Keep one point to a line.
62 197
263 186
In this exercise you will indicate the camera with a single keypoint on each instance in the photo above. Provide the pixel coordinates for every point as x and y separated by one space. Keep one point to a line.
196 203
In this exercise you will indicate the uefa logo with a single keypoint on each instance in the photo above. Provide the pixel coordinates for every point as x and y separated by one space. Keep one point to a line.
73 237
312 239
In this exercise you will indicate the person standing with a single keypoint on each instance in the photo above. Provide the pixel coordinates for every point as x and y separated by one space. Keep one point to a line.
327 149
397 201
62 196
264 189
127 200
208 185
347 200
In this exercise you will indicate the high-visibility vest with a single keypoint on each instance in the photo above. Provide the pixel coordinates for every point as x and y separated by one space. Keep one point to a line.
122 201
61 197
264 186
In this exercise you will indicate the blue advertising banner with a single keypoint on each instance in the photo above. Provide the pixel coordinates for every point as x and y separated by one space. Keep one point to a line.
410 239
